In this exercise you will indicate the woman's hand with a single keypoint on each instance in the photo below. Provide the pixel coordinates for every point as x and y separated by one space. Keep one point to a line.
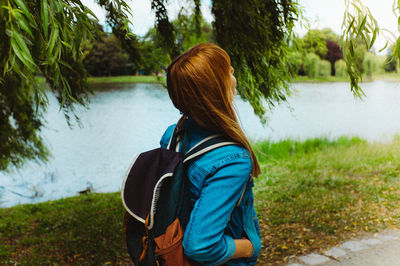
244 248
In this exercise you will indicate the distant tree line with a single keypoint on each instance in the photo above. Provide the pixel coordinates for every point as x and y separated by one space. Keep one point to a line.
105 55
318 54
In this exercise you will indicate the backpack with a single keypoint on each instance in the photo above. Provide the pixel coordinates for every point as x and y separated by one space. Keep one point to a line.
155 194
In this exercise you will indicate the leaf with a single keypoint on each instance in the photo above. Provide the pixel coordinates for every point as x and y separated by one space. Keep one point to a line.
18 70
351 48
66 44
24 25
384 47
361 27
52 41
350 25
44 14
72 98
24 9
21 49
373 39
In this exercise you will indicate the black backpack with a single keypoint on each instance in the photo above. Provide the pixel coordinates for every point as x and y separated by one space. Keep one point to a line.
156 196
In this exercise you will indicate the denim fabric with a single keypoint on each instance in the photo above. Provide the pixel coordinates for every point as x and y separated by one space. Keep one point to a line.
217 180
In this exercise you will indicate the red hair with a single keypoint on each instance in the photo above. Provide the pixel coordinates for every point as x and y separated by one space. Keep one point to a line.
199 85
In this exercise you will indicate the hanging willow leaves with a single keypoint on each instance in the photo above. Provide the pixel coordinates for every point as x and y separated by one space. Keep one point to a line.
45 37
257 34
41 37
360 25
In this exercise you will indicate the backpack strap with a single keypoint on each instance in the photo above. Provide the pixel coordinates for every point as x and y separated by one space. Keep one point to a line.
177 135
208 144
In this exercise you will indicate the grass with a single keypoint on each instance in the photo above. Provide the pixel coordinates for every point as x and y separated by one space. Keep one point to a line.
127 79
119 79
85 229
306 79
375 76
312 194
317 193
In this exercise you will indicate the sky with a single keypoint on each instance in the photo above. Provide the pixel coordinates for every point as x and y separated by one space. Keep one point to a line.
320 13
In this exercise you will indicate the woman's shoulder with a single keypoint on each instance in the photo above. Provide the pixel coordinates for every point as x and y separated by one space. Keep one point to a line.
229 155
232 155
167 136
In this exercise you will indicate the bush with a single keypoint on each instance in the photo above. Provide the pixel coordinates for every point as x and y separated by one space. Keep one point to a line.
390 64
341 70
324 68
370 64
311 65
294 63
105 57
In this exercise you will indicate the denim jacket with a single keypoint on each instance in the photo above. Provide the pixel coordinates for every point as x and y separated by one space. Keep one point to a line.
217 180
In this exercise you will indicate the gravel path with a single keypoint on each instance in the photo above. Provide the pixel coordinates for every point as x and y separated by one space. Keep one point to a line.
381 249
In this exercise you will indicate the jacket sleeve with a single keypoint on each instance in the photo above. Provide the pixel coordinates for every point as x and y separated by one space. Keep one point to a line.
204 239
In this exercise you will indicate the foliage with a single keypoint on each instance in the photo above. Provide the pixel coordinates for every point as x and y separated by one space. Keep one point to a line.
152 58
334 53
105 57
359 26
256 34
390 62
42 38
45 37
314 42
295 63
324 43
311 63
341 69
370 64
187 33
324 68
37 37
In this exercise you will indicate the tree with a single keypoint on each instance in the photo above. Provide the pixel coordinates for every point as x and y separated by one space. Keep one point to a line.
369 64
334 53
186 33
324 43
152 58
105 57
45 37
314 42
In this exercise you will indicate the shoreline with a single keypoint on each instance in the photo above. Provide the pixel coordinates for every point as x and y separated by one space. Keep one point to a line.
151 79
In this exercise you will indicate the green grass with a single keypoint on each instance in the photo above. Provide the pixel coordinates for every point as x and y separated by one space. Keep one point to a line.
388 77
312 194
375 76
305 79
120 79
127 79
86 229
316 193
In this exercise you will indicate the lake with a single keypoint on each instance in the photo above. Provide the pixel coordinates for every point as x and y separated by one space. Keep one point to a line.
125 119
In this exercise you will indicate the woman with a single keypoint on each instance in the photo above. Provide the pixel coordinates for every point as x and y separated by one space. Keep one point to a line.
201 85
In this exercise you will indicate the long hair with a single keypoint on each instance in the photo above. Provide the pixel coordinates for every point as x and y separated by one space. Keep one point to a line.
199 85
